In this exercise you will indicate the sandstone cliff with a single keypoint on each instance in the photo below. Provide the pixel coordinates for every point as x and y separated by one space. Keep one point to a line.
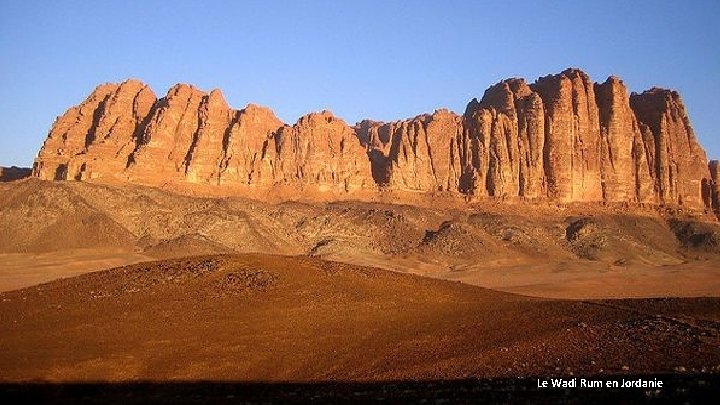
713 193
97 137
561 138
679 162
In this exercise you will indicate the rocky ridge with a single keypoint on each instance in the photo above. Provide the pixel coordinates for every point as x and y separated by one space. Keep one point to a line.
13 173
562 138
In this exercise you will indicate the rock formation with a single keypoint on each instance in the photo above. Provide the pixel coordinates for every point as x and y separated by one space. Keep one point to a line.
505 142
96 138
680 163
249 147
420 154
166 141
713 193
562 138
323 151
14 173
572 132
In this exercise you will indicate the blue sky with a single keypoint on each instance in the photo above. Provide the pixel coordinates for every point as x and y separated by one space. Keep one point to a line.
384 60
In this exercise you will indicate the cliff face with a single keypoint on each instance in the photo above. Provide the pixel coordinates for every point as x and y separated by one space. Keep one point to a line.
98 136
320 150
561 138
626 174
248 147
713 193
505 138
679 162
420 154
572 132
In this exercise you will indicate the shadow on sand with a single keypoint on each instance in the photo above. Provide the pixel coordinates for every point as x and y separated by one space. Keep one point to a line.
685 388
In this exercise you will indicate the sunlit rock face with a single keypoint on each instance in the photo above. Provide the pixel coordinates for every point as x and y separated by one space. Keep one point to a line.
562 138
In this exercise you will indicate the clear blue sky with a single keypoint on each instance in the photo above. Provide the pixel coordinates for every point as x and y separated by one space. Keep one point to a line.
384 60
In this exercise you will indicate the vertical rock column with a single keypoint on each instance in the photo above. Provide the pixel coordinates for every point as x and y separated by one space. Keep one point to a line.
510 122
531 137
202 161
443 130
624 164
162 153
420 154
679 163
503 174
572 136
478 125
321 150
249 147
714 185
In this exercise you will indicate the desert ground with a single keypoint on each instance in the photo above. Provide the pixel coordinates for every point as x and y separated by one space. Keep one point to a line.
117 284
50 230
285 318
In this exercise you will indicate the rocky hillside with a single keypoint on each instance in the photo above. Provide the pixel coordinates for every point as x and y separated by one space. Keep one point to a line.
42 216
14 173
562 138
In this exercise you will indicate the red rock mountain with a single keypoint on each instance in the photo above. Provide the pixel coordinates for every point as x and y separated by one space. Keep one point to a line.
562 138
